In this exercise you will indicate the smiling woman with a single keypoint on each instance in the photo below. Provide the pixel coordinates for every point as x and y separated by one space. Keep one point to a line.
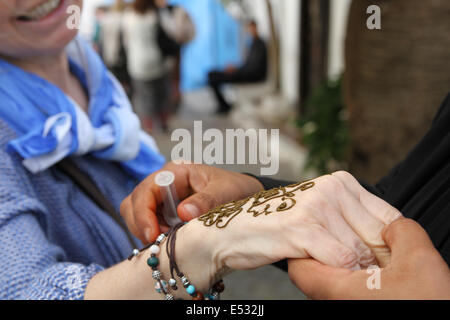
34 27
57 100
41 11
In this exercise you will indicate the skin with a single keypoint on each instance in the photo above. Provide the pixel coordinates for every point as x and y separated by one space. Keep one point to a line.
314 227
411 266
38 47
203 188
337 222
416 271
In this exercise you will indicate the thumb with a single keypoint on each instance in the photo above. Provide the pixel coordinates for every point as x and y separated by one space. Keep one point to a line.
200 202
317 280
404 236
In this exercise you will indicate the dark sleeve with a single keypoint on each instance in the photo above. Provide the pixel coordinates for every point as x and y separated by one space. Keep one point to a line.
381 188
269 183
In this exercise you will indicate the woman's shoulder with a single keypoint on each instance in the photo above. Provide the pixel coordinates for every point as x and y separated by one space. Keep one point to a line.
16 188
10 163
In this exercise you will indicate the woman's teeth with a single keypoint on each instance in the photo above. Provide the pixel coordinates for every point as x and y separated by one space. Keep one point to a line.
40 11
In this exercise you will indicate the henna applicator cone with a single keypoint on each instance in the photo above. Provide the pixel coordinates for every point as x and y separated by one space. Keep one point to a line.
166 182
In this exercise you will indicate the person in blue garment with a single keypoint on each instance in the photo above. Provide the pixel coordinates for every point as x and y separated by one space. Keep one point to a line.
58 103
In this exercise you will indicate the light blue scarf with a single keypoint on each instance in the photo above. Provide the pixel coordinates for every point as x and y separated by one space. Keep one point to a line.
51 126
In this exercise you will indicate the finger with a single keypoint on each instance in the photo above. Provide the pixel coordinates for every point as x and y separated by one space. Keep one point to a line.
375 205
340 229
364 224
207 194
126 211
316 280
322 246
405 236
200 202
146 199
144 204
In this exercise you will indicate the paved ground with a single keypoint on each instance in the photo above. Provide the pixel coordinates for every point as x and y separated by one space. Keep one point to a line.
263 283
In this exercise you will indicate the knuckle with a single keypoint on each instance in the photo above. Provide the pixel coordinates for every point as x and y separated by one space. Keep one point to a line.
344 175
334 185
206 200
347 259
314 200
390 215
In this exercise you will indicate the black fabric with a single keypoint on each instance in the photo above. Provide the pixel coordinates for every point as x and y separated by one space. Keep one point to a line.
254 68
168 46
419 186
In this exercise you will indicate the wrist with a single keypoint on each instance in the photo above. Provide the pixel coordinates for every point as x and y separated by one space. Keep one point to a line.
196 255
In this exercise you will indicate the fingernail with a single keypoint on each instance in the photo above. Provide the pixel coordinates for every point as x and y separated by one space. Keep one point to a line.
148 234
192 210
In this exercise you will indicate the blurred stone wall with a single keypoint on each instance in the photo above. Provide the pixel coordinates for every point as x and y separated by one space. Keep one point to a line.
395 79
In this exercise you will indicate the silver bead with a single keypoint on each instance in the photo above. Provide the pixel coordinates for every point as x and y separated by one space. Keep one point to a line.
172 282
160 237
156 275
184 281
135 252
169 297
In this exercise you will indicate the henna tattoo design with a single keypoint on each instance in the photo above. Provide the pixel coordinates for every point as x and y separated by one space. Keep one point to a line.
222 215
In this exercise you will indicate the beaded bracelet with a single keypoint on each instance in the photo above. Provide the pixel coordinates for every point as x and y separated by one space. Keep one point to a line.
214 294
153 262
161 285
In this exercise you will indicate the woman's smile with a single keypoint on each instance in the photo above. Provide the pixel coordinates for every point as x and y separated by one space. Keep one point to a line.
46 14
40 11
35 27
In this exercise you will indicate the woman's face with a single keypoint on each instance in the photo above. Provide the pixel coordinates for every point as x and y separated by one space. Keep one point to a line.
31 28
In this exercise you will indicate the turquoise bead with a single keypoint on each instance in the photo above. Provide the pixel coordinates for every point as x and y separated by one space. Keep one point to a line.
190 289
153 261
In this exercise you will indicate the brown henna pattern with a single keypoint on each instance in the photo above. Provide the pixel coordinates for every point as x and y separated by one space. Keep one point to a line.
222 215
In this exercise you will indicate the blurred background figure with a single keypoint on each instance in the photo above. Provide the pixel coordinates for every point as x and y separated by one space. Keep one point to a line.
146 65
98 18
254 69
177 27
111 41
